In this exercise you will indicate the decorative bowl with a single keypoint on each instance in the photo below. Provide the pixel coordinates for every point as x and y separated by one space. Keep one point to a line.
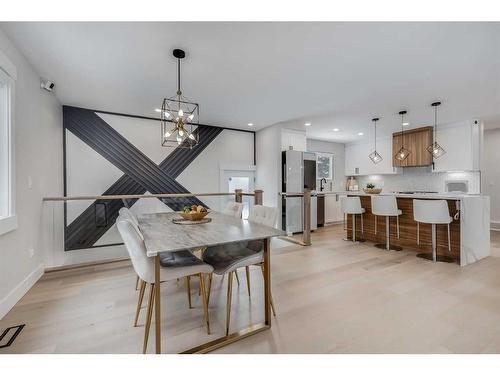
193 216
372 191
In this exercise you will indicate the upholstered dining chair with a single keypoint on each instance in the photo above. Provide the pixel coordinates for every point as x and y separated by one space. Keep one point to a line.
174 265
233 209
227 259
128 214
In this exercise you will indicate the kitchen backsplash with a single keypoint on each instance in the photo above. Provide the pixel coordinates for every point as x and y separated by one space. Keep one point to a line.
421 179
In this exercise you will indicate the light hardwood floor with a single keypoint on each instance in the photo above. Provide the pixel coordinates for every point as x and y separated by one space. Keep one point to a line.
332 297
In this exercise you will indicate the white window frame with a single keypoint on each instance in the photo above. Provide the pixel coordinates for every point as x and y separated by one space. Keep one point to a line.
8 74
328 155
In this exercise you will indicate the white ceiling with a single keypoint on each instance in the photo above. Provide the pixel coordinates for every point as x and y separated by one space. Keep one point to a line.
334 75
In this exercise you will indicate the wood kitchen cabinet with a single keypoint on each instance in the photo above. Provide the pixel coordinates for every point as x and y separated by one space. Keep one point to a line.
417 141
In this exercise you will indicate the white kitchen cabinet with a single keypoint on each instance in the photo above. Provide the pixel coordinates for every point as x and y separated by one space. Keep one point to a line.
293 138
462 145
333 211
357 162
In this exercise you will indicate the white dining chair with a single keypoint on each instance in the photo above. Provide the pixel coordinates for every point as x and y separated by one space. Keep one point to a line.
174 265
227 259
128 214
233 209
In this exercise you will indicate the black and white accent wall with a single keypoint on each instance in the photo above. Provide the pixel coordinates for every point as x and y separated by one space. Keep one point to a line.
114 154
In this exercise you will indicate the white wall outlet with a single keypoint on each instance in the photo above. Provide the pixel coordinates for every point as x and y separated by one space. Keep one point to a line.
30 183
31 252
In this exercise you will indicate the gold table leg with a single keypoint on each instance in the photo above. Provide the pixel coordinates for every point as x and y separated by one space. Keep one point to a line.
157 305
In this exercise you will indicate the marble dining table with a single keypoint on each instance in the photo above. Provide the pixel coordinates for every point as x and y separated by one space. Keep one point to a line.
161 234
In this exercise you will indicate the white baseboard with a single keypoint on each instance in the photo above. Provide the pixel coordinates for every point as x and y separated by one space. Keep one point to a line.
495 225
20 290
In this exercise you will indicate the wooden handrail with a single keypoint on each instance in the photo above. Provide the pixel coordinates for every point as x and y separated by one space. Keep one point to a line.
133 196
141 196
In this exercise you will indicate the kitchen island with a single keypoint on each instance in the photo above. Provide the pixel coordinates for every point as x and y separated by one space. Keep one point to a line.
470 228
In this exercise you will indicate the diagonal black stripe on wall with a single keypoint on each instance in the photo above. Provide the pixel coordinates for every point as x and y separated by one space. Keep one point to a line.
141 174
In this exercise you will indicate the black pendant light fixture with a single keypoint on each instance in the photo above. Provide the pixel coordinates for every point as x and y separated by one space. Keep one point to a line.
179 115
375 156
403 152
435 148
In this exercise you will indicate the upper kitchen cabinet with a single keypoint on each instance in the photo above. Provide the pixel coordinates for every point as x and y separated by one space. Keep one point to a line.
462 143
293 140
357 162
416 141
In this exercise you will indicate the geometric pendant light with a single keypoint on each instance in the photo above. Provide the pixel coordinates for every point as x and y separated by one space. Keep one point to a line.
178 115
375 156
435 148
402 153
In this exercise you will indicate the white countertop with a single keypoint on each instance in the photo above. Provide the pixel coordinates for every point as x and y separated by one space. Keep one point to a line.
454 196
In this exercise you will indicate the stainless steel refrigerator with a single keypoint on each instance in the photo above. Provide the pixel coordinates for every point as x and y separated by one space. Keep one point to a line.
298 173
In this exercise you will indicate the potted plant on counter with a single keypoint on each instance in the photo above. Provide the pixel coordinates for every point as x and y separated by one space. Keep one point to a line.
370 189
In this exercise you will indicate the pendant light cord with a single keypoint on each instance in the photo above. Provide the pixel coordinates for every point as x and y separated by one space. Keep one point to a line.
179 77
435 123
402 131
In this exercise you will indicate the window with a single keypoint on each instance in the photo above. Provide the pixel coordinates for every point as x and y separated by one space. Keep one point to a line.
324 166
7 213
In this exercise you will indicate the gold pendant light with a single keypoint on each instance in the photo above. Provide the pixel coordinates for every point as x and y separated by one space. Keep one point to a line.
179 115
403 152
375 157
435 148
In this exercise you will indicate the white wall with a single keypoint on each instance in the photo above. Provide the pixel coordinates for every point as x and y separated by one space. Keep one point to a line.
338 151
491 173
268 162
38 154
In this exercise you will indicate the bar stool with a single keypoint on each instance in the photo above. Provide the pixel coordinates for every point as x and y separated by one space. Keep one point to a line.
386 205
352 206
432 212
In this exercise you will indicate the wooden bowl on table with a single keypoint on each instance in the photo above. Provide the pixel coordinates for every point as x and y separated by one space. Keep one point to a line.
372 191
193 216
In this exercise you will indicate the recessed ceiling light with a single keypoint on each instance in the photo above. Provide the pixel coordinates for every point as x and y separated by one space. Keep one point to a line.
307 124
406 123
250 124
336 129
360 133
157 110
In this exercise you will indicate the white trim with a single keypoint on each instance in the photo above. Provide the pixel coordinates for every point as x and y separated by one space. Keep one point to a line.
8 73
8 224
7 66
495 225
9 301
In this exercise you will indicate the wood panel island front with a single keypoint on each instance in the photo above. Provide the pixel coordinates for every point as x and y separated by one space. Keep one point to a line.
469 230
